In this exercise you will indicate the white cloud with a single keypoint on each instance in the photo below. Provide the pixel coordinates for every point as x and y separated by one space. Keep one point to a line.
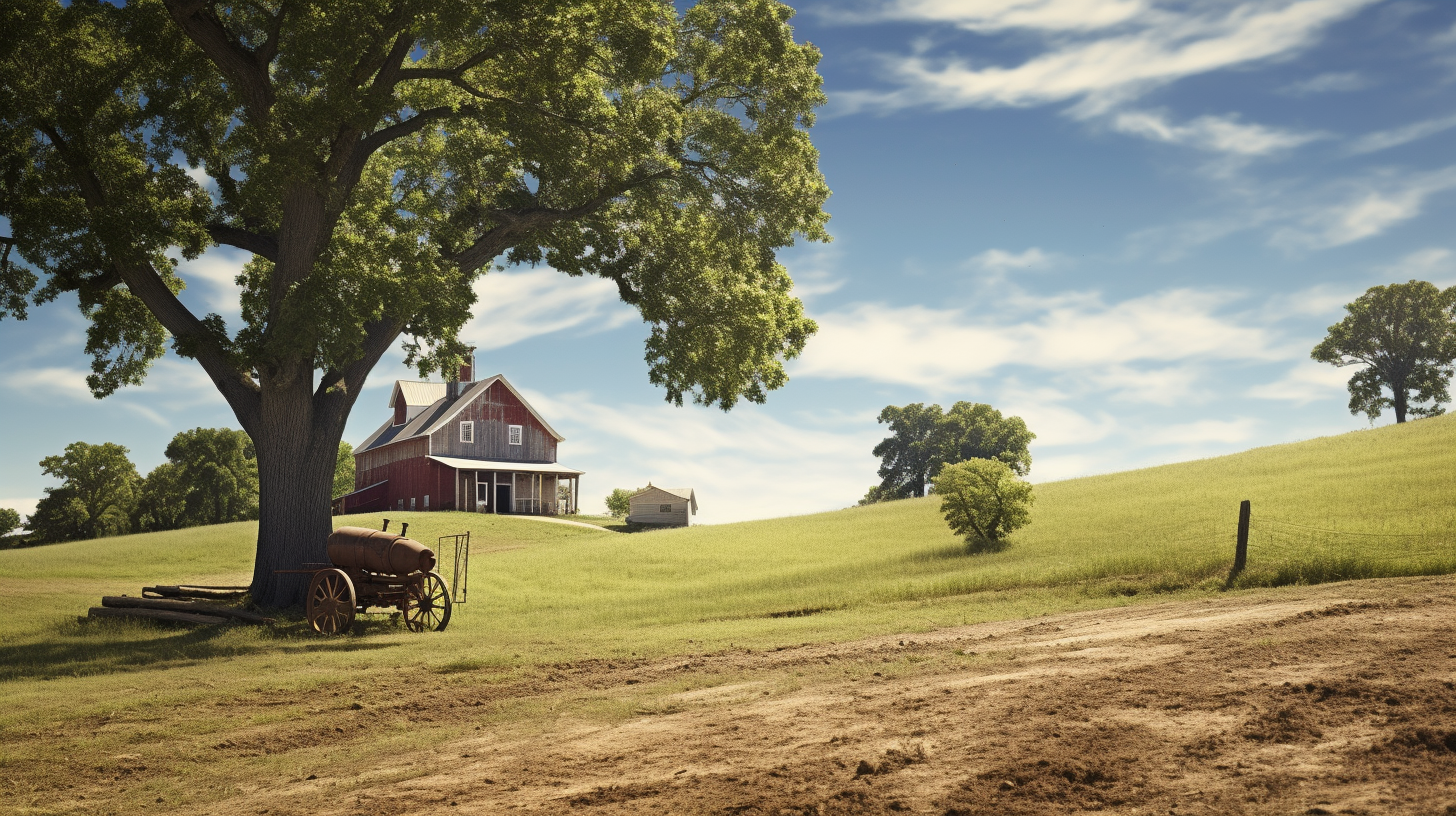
1218 134
1372 207
1306 382
46 381
743 464
1125 49
999 261
217 270
1384 139
1425 264
24 506
1332 82
936 349
515 306
1204 431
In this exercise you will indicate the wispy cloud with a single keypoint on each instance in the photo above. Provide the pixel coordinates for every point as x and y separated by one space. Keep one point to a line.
515 306
1217 134
939 349
1099 53
999 261
1369 208
1385 139
1306 382
1227 431
743 464
1332 82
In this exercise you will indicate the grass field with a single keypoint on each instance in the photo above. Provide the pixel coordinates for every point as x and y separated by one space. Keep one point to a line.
555 592
543 594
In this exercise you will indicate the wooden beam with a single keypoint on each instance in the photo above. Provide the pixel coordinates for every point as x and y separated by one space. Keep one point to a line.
127 602
155 614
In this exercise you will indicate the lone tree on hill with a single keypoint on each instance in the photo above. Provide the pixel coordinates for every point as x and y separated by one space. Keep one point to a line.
375 160
923 439
984 501
1405 336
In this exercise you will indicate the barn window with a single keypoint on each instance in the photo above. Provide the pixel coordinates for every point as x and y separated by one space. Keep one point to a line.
427 501
513 434
664 508
412 502
467 432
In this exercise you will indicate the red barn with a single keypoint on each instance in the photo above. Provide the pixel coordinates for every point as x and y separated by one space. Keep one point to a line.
476 446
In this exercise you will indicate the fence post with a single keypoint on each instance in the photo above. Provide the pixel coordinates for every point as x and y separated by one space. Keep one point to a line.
1241 550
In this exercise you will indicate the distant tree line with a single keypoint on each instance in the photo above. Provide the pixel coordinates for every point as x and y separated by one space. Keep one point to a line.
210 477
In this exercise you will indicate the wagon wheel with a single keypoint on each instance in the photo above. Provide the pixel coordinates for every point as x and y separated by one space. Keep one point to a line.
427 605
330 607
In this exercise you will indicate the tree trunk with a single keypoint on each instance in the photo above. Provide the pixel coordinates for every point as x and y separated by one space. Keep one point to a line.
1400 397
297 443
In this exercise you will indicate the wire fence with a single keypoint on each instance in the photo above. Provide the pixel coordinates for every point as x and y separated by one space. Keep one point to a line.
1288 552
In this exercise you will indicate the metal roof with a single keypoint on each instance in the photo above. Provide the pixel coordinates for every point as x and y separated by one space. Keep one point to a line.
518 467
680 492
440 411
416 392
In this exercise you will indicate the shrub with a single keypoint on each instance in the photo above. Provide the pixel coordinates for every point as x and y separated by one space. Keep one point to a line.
983 500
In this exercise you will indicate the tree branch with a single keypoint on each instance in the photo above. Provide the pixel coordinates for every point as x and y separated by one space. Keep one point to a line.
246 70
517 222
264 246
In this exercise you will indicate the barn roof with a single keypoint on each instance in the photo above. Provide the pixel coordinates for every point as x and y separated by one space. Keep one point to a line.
439 412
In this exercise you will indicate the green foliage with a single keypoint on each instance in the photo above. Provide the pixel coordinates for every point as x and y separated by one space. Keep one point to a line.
95 499
344 470
9 520
1405 336
619 501
923 439
983 501
210 477
410 146
162 504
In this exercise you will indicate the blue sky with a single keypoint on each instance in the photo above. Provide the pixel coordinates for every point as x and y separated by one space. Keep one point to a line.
1127 221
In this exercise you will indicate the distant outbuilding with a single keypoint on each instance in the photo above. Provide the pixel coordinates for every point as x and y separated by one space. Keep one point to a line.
663 506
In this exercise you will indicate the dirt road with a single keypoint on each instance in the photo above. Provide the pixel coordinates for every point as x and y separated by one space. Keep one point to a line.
1331 699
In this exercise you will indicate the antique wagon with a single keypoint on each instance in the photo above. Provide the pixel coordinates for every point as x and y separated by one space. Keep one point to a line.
378 569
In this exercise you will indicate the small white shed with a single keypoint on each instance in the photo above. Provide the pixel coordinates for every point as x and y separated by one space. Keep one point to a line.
663 506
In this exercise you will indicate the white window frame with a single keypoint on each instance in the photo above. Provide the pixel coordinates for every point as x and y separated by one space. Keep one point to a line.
467 432
514 434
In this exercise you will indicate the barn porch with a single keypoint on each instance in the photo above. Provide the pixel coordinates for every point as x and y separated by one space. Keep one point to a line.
515 488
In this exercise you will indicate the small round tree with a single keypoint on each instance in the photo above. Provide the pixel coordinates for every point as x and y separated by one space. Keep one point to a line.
983 500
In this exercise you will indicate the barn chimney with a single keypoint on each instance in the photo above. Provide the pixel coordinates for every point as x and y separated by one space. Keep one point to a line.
453 388
467 368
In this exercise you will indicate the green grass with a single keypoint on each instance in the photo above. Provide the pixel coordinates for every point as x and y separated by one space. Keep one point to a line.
545 592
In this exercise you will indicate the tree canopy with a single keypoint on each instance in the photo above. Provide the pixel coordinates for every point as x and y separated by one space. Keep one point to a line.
376 160
984 501
9 520
1404 335
95 498
923 439
344 470
619 501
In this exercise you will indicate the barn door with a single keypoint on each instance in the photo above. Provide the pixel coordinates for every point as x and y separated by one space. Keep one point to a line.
503 502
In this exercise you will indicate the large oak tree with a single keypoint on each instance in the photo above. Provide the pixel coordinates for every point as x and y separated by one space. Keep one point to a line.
376 158
1404 335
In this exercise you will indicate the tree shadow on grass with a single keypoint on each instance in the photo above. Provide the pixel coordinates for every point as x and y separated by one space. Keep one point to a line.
107 647
950 552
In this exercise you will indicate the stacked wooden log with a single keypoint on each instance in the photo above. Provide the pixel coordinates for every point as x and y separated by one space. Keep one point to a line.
178 604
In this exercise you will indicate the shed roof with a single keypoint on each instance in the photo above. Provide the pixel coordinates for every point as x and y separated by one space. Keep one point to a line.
677 492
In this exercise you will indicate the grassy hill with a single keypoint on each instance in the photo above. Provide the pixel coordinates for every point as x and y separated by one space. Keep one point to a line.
543 592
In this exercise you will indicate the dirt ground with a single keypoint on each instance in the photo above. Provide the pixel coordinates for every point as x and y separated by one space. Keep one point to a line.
1330 699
